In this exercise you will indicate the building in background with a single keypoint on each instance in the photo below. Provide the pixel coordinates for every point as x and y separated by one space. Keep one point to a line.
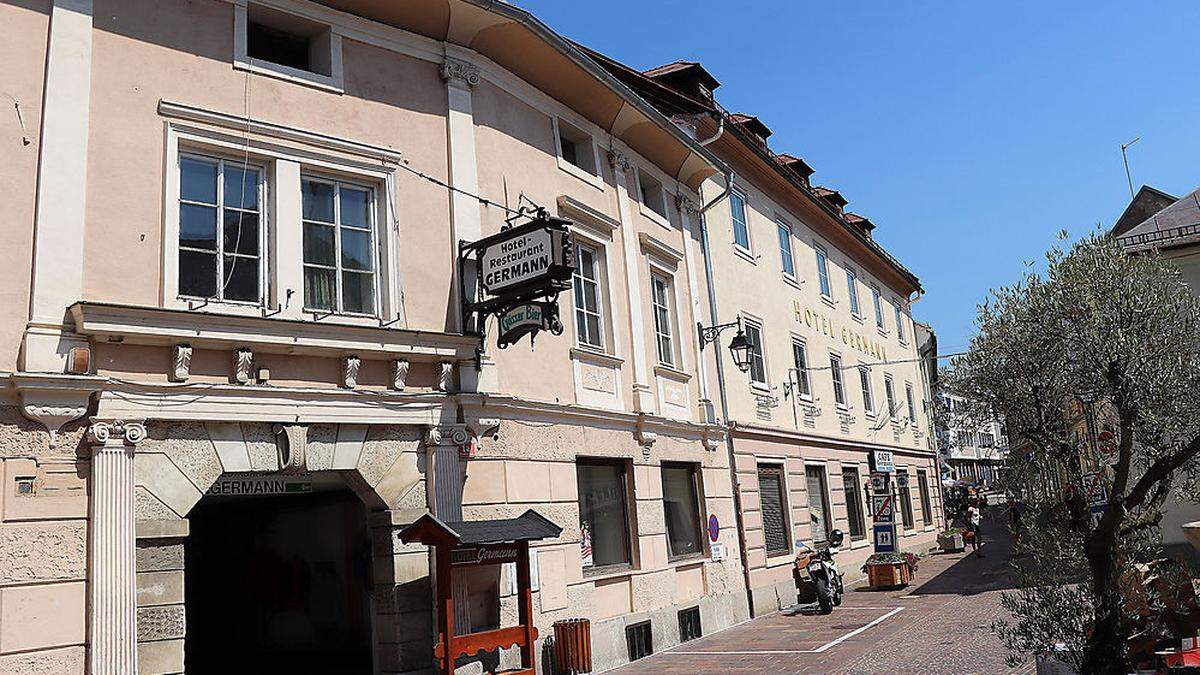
970 451
1157 222
835 369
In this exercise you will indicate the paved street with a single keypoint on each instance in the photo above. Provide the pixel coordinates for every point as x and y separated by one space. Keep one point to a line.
938 625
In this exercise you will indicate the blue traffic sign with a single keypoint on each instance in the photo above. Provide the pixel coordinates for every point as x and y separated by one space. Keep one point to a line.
885 539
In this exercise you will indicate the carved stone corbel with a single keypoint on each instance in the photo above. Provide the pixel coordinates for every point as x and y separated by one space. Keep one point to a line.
447 434
484 426
350 366
399 374
455 71
292 442
645 437
53 400
619 161
181 362
687 206
104 432
243 365
445 380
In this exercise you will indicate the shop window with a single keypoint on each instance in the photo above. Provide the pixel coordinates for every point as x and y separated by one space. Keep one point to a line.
220 229
662 300
854 503
758 363
652 194
681 509
689 624
640 640
820 516
906 505
576 148
800 358
603 513
823 273
737 211
926 509
787 259
588 282
776 529
864 380
835 371
339 247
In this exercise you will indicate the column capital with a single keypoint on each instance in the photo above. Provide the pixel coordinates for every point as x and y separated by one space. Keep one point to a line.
687 206
116 432
463 73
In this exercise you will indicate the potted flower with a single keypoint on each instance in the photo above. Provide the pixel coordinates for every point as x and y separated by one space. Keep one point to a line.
890 570
951 541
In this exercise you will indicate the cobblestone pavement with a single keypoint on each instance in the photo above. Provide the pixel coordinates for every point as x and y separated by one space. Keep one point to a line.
941 624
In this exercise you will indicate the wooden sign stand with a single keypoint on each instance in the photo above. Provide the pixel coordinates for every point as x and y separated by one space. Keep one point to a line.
465 544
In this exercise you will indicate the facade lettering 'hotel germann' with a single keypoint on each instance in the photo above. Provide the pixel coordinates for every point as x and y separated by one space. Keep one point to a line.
236 362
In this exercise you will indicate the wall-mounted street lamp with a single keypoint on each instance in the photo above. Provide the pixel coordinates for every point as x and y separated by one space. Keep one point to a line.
739 346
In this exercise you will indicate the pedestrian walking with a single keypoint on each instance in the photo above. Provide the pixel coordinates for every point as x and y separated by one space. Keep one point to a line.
975 526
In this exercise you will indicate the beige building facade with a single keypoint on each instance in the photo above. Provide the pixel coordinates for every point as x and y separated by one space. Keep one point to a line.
234 352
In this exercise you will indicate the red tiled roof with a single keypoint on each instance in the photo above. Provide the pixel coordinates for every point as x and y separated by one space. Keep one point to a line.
795 163
832 196
752 124
860 221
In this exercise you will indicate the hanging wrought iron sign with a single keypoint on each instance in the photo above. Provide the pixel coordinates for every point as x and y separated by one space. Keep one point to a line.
518 274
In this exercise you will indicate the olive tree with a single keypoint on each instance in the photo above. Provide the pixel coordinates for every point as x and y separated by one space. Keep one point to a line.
1094 364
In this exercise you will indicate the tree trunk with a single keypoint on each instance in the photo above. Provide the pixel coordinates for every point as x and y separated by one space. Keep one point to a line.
1106 643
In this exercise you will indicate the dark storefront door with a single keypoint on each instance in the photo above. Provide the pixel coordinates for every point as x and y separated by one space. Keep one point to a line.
278 585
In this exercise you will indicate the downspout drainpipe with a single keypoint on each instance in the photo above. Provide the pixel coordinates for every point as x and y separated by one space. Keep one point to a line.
705 143
712 311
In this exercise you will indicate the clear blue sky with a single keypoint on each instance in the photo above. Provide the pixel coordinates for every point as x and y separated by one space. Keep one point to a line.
969 132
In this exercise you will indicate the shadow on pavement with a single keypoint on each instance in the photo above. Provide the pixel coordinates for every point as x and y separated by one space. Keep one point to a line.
972 575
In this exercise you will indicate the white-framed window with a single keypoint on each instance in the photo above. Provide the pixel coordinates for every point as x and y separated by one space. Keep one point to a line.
221 229
577 153
800 359
590 301
786 257
652 194
835 372
339 246
900 334
864 380
662 300
878 300
890 391
758 362
737 213
912 406
823 272
852 292
280 44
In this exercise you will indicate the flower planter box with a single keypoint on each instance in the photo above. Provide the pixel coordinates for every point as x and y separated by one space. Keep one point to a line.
952 544
888 575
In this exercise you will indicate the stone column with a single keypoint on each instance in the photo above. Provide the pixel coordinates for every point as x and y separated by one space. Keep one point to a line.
643 391
111 580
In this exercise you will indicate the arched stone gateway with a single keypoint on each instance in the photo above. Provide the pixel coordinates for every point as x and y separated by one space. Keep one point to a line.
150 478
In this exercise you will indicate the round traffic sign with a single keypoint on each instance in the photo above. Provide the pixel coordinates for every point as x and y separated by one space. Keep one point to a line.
714 527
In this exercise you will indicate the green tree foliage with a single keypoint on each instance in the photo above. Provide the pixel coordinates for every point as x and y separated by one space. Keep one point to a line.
1103 348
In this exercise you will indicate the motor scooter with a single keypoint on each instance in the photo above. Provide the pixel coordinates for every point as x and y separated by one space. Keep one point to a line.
822 572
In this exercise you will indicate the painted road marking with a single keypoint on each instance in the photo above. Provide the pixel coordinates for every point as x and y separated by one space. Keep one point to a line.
818 650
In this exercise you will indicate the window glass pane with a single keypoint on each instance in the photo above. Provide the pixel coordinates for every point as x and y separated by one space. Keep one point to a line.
864 379
319 289
602 514
800 355
912 408
906 509
820 517
775 524
241 187
854 503
681 510
317 201
758 367
852 291
823 273
197 180
356 207
899 324
198 274
891 397
592 324
835 370
878 307
785 250
318 244
926 509
737 208
241 232
358 292
356 250
241 278
198 227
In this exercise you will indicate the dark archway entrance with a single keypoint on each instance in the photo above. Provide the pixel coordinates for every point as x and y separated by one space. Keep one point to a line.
278 584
